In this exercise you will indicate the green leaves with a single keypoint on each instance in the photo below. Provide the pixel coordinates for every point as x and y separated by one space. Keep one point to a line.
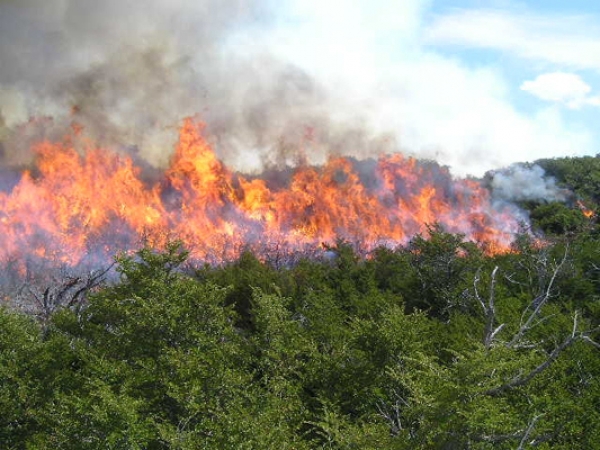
347 353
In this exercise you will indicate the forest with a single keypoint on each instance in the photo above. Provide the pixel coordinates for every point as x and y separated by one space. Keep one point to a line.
432 345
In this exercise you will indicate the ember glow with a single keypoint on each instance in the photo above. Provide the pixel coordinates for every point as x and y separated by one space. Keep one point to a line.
73 204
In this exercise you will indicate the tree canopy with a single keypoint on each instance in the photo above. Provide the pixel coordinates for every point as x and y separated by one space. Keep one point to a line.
433 345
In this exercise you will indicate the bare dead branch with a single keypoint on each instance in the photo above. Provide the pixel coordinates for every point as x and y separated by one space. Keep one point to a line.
497 438
43 298
590 341
538 303
524 436
392 413
476 290
489 308
528 431
510 278
521 380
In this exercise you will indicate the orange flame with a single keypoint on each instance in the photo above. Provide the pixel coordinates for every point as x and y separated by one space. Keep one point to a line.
589 213
77 204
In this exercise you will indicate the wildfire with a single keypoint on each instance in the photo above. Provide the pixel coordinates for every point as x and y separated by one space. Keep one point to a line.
589 213
75 204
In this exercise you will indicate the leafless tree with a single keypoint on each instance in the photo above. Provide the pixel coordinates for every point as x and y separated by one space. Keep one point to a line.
524 378
530 318
531 315
62 288
392 413
489 308
524 436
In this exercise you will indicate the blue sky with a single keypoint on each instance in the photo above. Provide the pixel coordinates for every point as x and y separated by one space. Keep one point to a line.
474 84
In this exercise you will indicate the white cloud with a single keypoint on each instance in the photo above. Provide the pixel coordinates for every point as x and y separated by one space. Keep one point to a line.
464 118
572 41
437 107
560 87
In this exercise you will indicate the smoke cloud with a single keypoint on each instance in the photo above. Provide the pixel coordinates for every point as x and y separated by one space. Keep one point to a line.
276 82
522 183
129 72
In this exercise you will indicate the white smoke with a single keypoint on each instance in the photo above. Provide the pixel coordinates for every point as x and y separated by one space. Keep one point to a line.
129 72
271 79
522 183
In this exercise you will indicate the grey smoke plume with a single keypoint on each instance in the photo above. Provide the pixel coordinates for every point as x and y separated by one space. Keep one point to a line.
520 183
129 71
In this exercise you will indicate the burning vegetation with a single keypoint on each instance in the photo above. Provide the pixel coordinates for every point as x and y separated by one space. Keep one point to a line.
75 205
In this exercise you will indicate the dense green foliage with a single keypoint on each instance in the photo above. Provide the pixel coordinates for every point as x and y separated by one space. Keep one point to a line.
580 179
580 175
435 345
